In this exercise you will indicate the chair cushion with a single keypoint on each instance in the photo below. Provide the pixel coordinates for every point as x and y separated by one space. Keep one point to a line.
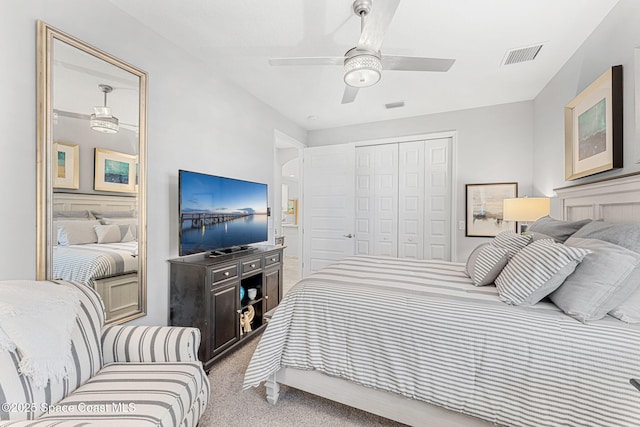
16 388
158 394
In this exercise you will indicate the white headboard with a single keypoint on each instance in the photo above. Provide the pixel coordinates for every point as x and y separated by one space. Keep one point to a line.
613 200
97 202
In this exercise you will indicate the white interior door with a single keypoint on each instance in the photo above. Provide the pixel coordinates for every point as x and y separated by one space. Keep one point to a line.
411 195
365 202
437 227
386 200
329 194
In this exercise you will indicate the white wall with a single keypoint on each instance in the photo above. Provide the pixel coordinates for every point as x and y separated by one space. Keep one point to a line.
196 121
494 144
612 43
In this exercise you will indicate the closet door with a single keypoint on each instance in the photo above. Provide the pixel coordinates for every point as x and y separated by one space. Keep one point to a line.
411 197
377 200
437 227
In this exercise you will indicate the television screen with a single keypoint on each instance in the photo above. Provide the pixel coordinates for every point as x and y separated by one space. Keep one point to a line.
218 213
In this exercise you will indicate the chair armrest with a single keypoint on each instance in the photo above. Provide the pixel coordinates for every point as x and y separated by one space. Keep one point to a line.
149 344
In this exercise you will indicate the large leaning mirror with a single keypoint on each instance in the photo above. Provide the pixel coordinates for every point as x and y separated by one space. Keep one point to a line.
91 165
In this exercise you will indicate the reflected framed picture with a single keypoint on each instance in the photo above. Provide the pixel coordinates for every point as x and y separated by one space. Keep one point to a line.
593 127
115 171
485 208
66 168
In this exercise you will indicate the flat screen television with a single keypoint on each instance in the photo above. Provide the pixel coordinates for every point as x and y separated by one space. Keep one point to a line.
219 214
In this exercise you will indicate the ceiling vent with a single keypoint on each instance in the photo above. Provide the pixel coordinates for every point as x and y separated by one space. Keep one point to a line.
522 54
394 105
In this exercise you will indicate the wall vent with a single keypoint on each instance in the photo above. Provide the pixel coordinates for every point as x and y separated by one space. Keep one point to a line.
522 54
394 105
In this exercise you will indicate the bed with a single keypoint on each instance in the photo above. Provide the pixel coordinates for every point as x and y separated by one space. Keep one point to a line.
108 264
416 342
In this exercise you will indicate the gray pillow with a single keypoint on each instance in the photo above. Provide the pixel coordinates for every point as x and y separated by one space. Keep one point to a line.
72 214
76 232
115 214
133 222
536 271
557 229
626 235
485 263
605 278
113 233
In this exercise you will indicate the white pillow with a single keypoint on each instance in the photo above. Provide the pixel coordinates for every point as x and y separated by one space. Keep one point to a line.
113 233
76 232
536 271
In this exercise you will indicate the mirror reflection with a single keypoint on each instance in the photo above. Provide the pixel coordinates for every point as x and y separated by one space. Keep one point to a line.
96 150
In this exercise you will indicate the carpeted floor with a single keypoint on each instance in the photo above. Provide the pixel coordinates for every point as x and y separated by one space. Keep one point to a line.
230 406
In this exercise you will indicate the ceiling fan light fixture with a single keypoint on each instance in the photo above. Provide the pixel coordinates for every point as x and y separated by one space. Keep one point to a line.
362 70
102 120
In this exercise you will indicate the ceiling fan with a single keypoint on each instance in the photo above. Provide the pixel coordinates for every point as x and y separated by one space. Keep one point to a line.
364 63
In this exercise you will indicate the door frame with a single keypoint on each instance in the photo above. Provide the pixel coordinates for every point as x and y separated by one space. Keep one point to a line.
281 137
454 176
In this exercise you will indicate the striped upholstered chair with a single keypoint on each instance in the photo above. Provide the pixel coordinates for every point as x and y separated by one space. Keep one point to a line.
122 375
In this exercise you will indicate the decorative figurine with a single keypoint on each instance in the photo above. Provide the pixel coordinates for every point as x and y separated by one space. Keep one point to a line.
246 318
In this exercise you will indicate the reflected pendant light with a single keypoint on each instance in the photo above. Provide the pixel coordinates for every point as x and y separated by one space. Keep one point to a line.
102 120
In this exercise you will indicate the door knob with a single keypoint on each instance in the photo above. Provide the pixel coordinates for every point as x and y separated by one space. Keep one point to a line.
349 236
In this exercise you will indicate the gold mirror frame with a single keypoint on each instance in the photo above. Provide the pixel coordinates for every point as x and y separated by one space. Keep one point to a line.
44 193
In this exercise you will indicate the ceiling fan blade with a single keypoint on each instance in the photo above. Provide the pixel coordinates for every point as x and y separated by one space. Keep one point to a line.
409 63
328 60
350 93
376 24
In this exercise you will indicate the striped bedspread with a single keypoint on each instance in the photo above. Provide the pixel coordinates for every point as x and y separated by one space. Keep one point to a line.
421 329
84 263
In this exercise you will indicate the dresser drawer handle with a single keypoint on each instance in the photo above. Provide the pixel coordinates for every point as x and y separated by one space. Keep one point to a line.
253 266
266 297
273 259
226 273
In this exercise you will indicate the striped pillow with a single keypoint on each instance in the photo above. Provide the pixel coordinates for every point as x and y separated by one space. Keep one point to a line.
487 260
536 271
485 263
511 241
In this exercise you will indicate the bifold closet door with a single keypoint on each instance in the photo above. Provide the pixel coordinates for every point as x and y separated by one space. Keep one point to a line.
437 206
376 215
403 199
411 200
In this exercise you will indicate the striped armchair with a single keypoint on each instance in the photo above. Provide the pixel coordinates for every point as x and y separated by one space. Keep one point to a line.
122 375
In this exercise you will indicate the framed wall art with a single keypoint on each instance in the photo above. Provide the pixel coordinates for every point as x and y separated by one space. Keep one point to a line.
115 171
593 127
485 208
66 168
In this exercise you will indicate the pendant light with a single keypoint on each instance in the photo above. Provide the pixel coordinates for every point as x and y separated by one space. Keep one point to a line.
102 120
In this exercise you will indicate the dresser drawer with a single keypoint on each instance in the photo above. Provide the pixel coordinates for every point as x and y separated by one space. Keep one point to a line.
249 266
225 273
271 259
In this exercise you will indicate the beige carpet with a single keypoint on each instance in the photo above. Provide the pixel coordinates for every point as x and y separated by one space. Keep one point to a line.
230 406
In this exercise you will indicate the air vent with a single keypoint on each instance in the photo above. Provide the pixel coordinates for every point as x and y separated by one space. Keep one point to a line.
391 105
522 54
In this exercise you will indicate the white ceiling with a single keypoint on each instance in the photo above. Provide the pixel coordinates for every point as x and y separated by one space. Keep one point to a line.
237 37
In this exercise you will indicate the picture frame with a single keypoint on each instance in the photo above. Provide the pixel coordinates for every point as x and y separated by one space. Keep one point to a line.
115 171
593 127
66 165
484 208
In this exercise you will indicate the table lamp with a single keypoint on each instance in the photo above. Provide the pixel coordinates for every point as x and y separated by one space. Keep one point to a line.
525 209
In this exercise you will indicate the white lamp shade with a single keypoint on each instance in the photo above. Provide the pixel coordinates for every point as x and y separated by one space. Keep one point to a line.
526 208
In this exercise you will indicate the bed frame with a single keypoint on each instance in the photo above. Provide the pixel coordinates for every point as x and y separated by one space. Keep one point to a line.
120 293
613 200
